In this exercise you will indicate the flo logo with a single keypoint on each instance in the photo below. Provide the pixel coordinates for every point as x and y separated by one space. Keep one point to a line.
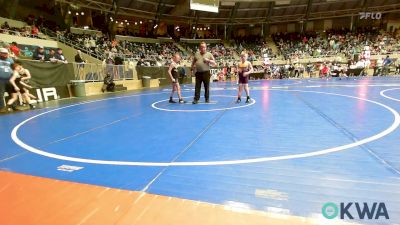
367 15
363 211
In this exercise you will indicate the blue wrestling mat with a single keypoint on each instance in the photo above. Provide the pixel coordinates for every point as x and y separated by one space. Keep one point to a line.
296 146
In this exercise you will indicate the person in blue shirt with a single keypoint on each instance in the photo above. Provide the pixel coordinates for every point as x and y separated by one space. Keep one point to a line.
27 52
386 64
5 74
388 61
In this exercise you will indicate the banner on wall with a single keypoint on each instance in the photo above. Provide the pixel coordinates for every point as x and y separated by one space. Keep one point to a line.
50 80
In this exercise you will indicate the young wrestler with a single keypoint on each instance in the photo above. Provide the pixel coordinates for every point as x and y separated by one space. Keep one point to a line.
174 75
16 86
244 70
25 76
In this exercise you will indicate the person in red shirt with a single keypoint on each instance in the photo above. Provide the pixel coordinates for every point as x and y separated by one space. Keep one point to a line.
325 71
14 48
114 43
35 31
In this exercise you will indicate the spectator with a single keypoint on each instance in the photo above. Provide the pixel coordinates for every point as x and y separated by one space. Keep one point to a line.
35 31
353 65
39 54
10 53
39 21
78 57
361 64
80 64
5 74
119 68
27 52
325 71
92 43
141 61
5 26
14 48
386 64
59 56
109 64
397 64
109 84
388 61
378 67
51 57
309 68
182 71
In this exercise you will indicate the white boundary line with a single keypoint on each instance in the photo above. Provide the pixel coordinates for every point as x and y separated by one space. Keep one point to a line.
387 131
385 96
253 101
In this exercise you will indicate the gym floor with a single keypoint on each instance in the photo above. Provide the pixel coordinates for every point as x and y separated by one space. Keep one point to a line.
134 158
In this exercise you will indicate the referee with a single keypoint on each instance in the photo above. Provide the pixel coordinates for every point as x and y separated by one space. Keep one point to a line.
202 61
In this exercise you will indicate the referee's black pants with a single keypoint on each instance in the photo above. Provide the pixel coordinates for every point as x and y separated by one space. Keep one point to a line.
202 77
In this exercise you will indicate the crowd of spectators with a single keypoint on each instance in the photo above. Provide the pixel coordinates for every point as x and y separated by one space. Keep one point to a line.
256 51
26 31
218 50
336 42
100 46
39 53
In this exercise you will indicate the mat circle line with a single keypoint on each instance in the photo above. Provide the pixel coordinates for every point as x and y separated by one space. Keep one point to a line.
382 93
253 101
383 133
